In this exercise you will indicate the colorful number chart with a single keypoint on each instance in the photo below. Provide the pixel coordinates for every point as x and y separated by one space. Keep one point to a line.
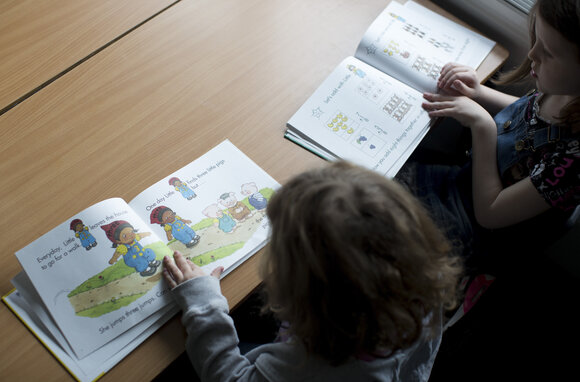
342 125
349 130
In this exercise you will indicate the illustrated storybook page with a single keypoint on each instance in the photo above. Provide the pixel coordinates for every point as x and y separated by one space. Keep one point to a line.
26 303
212 210
92 296
98 274
412 43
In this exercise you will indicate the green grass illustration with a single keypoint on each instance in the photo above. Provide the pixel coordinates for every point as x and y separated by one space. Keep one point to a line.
117 271
211 256
208 222
109 306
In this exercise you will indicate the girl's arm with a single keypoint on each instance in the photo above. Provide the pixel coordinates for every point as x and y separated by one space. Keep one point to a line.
494 205
492 100
212 341
456 79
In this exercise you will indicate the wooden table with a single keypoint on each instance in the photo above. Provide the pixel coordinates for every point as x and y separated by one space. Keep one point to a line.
40 41
195 74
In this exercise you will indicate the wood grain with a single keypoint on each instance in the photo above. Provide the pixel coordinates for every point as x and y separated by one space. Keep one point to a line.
41 39
198 73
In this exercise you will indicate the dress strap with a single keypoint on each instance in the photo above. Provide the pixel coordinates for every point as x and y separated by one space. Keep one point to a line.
547 134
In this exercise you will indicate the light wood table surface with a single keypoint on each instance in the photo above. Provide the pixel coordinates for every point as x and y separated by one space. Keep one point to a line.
40 40
161 96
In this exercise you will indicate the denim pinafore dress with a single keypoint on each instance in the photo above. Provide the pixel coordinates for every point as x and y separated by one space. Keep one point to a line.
446 191
519 131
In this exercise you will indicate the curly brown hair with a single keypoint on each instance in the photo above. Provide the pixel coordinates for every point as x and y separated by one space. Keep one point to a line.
354 263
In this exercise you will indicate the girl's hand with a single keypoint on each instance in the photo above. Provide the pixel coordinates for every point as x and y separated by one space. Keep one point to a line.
182 269
459 79
466 111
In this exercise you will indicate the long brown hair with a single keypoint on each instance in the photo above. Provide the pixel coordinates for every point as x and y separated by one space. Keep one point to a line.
563 16
354 262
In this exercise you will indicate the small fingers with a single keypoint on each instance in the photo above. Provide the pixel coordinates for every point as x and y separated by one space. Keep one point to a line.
447 70
435 113
181 269
432 97
217 272
446 80
180 261
171 272
187 267
451 73
448 67
461 87
437 105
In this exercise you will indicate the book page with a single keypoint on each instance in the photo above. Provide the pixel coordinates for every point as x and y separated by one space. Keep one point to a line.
363 115
98 274
411 43
213 210
100 361
36 310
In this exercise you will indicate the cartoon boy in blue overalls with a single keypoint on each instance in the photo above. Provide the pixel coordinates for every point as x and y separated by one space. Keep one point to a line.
82 233
174 226
126 241
185 191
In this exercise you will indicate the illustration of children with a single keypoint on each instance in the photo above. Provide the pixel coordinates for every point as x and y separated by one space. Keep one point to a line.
174 226
221 220
182 187
238 210
126 241
82 233
255 198
356 71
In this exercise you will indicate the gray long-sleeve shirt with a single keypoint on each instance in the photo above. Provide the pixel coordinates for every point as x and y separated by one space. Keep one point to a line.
212 346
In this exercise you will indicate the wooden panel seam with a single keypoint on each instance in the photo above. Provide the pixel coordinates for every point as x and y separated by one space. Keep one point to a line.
82 60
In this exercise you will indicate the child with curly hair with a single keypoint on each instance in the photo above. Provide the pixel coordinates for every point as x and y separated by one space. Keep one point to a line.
354 265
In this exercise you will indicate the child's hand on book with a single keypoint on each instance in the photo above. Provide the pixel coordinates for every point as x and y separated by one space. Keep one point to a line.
180 269
456 79
465 110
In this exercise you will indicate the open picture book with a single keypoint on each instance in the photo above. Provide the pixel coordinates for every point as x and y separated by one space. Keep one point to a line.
368 110
91 289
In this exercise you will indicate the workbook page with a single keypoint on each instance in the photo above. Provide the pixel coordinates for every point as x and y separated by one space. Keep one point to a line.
411 43
363 115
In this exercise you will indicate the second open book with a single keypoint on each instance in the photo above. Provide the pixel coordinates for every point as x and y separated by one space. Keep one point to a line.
368 110
91 289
